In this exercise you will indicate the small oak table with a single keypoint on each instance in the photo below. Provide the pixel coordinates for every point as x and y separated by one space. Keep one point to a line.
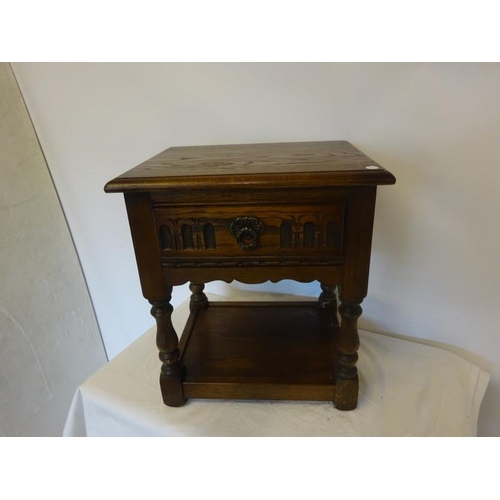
253 213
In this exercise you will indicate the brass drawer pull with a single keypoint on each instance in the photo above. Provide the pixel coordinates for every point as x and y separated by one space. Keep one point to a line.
247 231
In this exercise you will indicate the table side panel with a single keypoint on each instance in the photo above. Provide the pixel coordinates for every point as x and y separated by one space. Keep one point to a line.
146 247
358 239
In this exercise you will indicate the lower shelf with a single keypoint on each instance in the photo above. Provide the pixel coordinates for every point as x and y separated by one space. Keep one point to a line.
259 350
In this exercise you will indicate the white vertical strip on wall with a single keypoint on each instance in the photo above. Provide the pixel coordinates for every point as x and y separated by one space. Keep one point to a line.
49 338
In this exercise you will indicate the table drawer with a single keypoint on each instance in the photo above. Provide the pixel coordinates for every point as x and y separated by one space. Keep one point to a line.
286 232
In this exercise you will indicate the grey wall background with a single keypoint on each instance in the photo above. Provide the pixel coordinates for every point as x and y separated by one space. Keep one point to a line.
49 338
435 272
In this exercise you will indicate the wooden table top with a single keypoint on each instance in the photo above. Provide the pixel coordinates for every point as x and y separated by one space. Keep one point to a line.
311 164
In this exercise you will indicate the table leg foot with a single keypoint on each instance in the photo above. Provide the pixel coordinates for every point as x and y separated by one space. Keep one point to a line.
346 393
171 391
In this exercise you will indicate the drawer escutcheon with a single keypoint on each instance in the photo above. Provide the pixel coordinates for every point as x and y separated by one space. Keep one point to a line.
247 231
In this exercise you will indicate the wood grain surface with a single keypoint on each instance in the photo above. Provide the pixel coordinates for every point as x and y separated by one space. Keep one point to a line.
259 350
273 164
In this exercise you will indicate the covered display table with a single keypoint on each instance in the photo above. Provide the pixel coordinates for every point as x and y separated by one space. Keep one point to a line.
406 389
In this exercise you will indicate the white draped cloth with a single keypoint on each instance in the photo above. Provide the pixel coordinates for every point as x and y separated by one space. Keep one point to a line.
406 389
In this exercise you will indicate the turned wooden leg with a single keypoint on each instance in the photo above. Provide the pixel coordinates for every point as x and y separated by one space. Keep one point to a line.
198 298
167 341
328 300
347 385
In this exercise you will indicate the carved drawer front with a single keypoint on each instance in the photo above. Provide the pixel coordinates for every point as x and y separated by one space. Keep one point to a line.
287 233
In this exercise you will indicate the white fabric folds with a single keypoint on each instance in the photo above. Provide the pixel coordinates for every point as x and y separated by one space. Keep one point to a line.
406 389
